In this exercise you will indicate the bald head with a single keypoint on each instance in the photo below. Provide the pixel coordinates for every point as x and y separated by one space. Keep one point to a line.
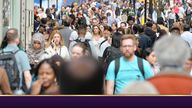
12 34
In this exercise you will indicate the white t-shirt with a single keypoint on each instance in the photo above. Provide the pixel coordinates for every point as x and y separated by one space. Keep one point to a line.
74 36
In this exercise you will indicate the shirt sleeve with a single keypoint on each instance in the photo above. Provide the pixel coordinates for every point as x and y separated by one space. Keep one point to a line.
148 70
71 46
73 36
110 71
66 53
24 62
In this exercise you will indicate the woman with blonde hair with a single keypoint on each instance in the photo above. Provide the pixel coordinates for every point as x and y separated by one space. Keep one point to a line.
56 46
98 40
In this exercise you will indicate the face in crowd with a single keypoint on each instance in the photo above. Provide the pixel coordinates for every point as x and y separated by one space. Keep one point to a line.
77 52
151 58
46 74
128 47
36 45
57 39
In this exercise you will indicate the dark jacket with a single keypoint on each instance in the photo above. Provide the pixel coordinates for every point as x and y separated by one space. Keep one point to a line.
144 42
151 34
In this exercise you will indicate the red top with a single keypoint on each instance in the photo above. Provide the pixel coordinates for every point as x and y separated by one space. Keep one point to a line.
171 84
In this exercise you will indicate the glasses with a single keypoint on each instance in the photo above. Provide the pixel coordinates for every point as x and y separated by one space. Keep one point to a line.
127 46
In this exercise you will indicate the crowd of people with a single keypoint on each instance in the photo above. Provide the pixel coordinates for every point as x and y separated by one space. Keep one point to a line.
101 47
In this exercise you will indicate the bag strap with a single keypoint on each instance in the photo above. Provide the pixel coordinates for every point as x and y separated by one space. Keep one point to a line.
102 43
140 65
16 51
117 65
12 52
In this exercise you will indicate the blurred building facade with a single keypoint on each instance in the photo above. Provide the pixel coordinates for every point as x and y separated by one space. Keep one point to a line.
17 14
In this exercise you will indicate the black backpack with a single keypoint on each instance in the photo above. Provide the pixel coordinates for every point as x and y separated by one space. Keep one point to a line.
117 65
110 54
8 62
139 62
86 43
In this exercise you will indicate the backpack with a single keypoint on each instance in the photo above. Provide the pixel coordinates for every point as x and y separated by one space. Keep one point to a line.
86 43
110 54
188 12
8 62
117 65
139 62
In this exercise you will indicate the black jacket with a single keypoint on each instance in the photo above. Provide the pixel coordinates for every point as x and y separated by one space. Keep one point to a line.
151 34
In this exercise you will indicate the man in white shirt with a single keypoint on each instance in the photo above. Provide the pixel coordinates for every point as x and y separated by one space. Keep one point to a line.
186 35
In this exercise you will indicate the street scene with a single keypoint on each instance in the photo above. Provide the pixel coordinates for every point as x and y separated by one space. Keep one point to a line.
96 47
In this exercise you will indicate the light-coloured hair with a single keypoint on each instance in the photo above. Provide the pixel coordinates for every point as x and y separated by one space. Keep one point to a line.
98 26
130 36
52 35
171 52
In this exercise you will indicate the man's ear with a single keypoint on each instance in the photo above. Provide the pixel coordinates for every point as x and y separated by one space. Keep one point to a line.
135 47
121 48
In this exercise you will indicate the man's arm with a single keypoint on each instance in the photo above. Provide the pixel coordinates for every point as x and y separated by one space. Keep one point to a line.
4 82
25 68
109 87
110 79
28 79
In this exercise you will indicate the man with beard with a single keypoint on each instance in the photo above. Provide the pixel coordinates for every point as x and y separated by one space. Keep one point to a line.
128 67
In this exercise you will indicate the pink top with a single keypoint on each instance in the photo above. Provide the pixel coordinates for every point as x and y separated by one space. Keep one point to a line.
176 10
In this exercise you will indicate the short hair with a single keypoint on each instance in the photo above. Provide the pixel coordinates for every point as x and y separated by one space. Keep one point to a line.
108 28
130 36
160 20
66 21
149 24
171 52
130 18
12 34
175 30
104 18
186 27
162 33
81 45
124 23
82 30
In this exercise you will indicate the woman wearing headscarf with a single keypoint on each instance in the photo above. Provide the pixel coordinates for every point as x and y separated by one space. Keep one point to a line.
36 51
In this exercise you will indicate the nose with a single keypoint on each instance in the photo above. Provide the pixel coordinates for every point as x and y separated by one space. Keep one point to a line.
127 48
44 76
74 55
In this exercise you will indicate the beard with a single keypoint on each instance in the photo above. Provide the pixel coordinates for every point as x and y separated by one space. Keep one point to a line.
128 55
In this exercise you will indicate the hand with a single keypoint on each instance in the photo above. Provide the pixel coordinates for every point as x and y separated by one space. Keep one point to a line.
36 87
53 44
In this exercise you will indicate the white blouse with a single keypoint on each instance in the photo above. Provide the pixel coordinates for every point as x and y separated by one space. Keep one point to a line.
63 52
